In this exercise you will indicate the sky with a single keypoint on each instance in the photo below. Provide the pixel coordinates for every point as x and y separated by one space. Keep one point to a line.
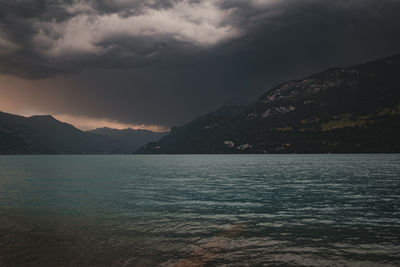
156 64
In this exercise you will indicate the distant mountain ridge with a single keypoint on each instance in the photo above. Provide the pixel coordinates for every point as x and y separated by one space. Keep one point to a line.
46 135
340 110
129 139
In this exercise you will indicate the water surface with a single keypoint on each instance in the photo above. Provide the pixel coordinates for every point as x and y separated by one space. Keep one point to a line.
185 210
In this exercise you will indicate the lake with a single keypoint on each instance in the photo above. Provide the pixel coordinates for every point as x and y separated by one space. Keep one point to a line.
200 210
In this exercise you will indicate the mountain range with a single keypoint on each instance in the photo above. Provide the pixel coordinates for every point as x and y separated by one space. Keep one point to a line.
46 135
128 140
341 110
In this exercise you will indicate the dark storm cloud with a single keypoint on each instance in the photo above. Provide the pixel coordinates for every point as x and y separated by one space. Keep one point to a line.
184 58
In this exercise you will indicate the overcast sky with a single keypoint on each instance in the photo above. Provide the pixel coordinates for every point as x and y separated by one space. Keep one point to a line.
155 64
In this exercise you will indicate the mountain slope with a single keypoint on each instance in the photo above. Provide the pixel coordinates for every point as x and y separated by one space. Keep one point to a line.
45 134
341 110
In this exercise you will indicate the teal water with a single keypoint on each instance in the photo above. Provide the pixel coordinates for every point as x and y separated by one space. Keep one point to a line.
200 210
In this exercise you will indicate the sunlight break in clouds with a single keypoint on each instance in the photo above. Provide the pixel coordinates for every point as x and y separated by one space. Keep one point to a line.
86 123
198 23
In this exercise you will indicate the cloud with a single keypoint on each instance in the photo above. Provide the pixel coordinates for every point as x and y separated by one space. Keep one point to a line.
54 35
197 23
7 46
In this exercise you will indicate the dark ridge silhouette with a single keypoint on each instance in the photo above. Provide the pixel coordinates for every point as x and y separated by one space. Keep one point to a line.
46 135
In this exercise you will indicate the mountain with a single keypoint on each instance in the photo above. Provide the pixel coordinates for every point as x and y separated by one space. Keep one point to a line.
341 110
46 135
128 139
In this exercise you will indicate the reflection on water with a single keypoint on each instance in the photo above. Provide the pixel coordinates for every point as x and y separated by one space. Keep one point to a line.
208 251
235 210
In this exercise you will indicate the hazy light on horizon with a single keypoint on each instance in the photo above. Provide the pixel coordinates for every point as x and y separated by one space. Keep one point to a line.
86 123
